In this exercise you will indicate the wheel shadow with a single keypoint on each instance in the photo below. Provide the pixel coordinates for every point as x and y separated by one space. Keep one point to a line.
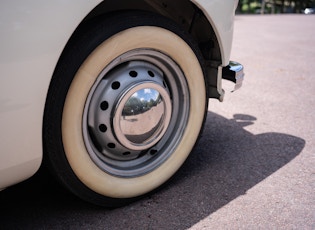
227 162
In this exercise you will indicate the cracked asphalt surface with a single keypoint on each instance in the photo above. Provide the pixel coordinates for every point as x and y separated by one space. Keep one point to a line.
253 168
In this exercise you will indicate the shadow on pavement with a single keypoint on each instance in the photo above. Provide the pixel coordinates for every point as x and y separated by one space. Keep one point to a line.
227 162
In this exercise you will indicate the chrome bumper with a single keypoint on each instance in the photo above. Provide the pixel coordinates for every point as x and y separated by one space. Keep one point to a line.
234 72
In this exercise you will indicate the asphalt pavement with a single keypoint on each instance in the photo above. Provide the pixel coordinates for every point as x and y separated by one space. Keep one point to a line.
253 168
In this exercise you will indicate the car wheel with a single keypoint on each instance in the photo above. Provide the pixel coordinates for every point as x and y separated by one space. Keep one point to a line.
125 107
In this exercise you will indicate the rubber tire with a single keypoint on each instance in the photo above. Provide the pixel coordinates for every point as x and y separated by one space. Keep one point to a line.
92 47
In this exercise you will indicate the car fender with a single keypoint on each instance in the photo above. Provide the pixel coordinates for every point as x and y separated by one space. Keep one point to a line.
44 34
221 17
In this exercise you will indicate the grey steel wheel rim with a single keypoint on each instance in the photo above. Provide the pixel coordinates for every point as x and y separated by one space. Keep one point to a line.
142 86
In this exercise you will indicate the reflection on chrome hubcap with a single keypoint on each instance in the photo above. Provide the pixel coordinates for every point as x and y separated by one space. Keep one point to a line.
132 111
142 116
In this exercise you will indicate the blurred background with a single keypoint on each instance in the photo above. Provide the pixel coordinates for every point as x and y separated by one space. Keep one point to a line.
276 6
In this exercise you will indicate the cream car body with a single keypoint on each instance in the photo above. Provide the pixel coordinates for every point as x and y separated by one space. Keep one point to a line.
33 36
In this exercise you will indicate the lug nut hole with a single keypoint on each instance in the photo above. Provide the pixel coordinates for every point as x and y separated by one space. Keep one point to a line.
111 145
115 85
102 128
133 73
151 74
104 105
153 151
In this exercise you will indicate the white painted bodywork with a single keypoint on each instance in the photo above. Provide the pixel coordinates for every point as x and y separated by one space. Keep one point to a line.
33 34
31 43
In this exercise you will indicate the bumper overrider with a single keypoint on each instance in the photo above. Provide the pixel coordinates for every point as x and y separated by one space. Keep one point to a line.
234 72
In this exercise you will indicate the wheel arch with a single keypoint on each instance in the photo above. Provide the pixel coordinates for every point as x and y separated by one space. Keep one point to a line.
189 14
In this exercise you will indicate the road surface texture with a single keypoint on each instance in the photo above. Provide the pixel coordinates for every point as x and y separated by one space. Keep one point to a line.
254 167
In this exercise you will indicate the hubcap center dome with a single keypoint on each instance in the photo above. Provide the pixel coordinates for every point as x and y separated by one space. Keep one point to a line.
142 116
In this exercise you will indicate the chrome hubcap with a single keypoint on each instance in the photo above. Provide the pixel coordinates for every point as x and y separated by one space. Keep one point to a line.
130 113
142 116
